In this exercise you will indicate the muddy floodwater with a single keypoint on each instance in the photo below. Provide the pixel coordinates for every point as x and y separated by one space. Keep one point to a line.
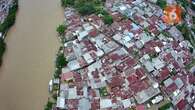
29 59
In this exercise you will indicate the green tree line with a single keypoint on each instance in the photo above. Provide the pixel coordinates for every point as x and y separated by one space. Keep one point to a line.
87 7
8 22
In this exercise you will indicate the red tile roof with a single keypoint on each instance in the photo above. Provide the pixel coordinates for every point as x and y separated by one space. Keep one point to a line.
132 79
89 45
93 33
140 107
176 65
95 105
67 76
130 62
181 105
164 73
116 81
72 103
168 57
171 88
140 73
191 79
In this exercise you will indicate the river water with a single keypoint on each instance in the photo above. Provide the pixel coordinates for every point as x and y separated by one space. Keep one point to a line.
29 59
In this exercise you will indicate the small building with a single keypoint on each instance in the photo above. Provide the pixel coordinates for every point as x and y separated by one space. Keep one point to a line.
67 76
105 103
84 104
72 93
60 103
157 99
82 34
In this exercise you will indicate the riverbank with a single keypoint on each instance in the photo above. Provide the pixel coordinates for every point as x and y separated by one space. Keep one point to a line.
4 27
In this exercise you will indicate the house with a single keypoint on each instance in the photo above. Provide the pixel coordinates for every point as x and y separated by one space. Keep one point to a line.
84 104
72 104
127 103
105 103
140 107
164 73
95 104
67 76
82 34
157 63
176 34
116 81
72 93
60 103
181 105
149 66
146 94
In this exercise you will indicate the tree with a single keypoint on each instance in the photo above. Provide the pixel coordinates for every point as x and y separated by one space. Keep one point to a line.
184 3
108 19
86 9
166 106
2 49
193 19
161 3
61 61
193 7
66 3
57 73
191 50
49 105
101 11
61 29
10 20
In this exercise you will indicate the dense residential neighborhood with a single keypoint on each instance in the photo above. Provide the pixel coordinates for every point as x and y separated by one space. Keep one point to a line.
137 62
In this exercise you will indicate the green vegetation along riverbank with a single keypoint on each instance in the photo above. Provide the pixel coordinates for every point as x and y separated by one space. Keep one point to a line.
4 27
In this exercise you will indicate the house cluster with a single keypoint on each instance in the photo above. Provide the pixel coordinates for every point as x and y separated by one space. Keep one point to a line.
134 63
4 9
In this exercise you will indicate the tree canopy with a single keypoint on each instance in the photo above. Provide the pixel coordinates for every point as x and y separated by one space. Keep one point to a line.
66 3
61 61
161 3
10 20
108 19
86 9
2 49
61 29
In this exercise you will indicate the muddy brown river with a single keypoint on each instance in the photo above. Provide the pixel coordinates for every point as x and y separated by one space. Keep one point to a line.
29 59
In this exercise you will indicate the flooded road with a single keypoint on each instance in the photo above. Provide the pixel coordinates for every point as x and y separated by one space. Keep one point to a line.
29 59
